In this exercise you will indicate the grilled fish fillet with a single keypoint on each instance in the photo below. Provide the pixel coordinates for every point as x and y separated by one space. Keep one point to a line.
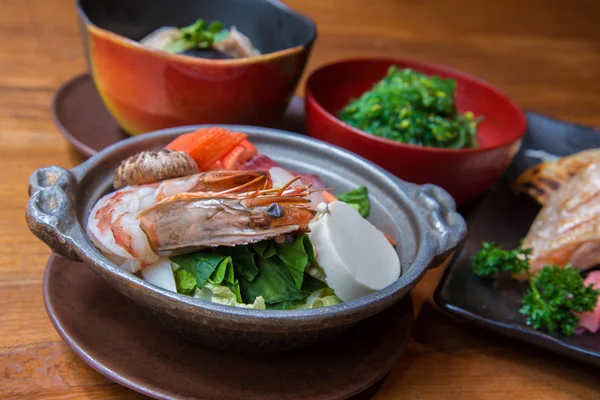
567 229
543 179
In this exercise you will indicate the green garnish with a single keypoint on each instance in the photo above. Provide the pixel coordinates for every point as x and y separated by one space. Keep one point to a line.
492 259
358 199
200 34
266 274
410 107
555 294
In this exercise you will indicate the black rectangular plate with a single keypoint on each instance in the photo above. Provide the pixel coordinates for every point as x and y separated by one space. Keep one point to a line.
504 218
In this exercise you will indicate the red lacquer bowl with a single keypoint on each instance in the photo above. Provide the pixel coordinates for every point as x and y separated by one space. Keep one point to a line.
463 173
146 89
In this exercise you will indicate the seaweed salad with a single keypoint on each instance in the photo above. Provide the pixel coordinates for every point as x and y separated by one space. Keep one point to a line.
409 107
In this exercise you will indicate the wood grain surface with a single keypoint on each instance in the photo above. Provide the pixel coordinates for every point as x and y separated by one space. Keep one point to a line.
543 53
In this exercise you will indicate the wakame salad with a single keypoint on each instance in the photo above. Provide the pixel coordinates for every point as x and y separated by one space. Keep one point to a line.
410 107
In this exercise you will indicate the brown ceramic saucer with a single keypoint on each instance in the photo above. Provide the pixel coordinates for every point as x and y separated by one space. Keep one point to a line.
82 118
106 330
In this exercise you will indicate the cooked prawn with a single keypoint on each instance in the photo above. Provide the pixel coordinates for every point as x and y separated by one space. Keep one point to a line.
113 224
189 222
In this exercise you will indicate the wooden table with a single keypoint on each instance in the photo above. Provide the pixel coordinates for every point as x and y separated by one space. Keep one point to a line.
543 53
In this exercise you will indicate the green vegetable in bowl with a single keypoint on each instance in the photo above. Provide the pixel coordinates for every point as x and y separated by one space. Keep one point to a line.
410 107
199 34
358 199
555 295
264 275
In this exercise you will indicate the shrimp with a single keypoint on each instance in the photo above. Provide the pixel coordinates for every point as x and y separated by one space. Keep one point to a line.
215 181
189 222
113 224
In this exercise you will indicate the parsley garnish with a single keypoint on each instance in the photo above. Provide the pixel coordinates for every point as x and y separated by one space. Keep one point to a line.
199 34
555 295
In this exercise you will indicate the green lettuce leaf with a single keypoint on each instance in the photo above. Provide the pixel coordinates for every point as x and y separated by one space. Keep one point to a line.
274 283
235 288
358 199
244 264
296 256
184 281
224 295
223 272
323 302
312 284
317 299
268 273
264 249
200 264
321 298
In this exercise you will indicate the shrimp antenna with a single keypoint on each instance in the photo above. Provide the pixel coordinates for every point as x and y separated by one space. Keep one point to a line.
225 175
266 185
284 187
322 190
255 194
245 185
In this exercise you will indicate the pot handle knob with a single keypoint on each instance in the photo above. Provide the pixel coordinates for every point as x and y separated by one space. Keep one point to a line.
50 213
445 227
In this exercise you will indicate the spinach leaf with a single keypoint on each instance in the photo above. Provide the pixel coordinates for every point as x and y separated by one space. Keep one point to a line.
308 248
266 270
358 199
295 257
243 261
264 249
200 264
223 272
274 283
312 284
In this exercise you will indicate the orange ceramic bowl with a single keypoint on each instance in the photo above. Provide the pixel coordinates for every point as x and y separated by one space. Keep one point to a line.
147 89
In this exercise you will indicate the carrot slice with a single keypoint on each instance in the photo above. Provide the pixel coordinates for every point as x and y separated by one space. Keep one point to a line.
389 238
330 198
207 145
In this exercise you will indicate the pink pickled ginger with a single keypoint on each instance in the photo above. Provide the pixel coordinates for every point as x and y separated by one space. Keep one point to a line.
591 320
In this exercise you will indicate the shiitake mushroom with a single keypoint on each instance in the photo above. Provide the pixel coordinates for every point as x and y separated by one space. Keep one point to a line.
153 166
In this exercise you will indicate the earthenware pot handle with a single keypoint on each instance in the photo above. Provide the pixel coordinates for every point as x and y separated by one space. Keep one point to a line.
446 228
50 213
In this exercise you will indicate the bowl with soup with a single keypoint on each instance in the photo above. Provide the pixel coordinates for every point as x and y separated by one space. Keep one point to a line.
159 64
